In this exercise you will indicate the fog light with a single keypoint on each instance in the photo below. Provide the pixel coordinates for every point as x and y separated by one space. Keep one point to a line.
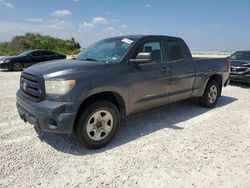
52 124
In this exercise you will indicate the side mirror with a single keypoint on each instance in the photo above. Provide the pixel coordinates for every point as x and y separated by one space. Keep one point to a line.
142 58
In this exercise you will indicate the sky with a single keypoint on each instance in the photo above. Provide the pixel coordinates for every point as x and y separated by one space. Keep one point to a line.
205 25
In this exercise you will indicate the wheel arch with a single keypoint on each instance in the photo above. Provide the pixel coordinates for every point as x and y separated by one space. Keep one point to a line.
216 77
13 62
111 96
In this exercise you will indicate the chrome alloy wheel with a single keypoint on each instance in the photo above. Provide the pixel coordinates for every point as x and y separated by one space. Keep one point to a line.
99 125
212 94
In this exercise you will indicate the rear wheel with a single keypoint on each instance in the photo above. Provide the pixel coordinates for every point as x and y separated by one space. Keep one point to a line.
210 97
97 125
17 67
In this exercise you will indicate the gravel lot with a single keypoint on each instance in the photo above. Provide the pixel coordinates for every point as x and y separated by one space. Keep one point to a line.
181 145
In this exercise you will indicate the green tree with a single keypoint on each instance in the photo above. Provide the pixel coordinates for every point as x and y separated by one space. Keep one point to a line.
31 41
3 48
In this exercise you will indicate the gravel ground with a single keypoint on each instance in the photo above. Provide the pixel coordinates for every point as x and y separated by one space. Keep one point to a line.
181 145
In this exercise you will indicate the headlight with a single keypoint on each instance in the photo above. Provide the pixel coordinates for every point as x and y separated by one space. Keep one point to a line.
4 61
59 86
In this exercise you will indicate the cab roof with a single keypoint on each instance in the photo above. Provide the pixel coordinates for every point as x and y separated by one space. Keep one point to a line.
137 37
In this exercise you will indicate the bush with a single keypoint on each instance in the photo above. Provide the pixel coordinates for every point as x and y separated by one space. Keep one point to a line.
31 41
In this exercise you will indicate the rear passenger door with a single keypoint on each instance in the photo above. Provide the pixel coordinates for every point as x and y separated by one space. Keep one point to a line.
149 85
37 57
182 72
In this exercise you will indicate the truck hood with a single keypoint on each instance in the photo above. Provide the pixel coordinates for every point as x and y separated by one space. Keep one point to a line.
65 66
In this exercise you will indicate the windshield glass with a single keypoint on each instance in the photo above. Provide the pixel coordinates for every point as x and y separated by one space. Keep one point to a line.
25 53
245 56
106 50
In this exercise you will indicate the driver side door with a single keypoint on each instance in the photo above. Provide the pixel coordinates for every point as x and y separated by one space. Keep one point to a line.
149 83
32 58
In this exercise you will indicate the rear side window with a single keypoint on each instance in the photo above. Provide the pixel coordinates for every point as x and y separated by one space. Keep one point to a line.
36 53
51 53
175 50
47 53
44 53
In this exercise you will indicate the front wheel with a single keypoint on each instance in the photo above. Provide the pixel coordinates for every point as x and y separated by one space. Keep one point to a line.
97 125
210 97
17 67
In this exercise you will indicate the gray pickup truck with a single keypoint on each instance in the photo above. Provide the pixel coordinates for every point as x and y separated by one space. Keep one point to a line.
90 95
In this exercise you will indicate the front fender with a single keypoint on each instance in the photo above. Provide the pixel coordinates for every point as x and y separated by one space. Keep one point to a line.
121 91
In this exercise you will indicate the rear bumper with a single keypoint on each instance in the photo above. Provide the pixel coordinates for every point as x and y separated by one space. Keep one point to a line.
49 116
240 78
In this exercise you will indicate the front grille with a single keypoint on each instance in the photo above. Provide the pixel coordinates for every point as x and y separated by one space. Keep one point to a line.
238 69
31 87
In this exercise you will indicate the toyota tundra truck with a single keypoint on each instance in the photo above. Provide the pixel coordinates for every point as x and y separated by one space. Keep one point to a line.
89 96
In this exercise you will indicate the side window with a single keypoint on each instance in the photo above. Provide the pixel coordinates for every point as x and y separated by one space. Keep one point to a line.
246 56
44 53
49 53
175 50
152 46
36 54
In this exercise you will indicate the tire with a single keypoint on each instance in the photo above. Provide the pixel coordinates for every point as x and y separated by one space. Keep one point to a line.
17 67
211 95
97 125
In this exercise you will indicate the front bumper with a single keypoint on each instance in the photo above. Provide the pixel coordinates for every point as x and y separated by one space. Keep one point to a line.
240 78
4 66
49 116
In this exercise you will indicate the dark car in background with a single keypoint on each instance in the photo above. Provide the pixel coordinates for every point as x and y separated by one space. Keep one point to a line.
240 68
28 58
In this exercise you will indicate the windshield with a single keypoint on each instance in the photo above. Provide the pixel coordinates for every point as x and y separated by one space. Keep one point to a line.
245 56
106 50
25 53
